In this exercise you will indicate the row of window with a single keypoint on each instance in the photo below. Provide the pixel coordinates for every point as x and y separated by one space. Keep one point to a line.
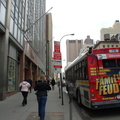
107 46
2 11
79 71
17 20
16 17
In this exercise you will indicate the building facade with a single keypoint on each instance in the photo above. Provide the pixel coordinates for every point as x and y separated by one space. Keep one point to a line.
111 30
88 40
49 63
73 49
21 43
106 44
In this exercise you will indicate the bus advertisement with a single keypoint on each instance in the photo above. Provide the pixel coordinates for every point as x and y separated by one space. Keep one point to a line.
95 76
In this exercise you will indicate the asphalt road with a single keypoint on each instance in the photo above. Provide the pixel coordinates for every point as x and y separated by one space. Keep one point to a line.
103 114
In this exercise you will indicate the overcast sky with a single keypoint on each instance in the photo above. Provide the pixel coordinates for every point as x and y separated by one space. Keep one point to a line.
82 17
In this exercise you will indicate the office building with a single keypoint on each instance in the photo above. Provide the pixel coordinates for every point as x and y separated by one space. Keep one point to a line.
109 32
73 49
21 42
88 40
49 47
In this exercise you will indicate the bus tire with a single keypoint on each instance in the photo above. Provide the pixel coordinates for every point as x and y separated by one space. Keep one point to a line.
79 99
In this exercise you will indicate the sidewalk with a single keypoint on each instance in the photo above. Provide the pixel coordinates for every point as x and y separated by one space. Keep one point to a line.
11 108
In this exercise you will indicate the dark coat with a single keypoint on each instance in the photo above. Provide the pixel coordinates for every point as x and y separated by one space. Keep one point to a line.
41 88
53 82
29 81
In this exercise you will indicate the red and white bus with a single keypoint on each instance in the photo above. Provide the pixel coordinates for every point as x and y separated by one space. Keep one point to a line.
96 78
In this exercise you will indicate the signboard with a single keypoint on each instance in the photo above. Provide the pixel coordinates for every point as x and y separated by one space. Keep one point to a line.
57 64
57 56
58 70
57 46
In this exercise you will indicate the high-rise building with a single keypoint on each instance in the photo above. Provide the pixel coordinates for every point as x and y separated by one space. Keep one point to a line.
109 32
73 49
49 46
88 40
22 41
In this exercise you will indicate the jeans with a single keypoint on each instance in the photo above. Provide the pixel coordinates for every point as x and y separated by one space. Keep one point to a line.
41 106
25 94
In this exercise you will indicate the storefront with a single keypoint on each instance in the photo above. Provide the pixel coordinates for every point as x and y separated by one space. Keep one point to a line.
13 69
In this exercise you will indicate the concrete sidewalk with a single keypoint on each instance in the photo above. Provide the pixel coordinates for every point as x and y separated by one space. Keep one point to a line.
12 109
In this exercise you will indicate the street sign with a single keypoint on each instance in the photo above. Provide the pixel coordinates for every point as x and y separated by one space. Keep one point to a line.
57 46
58 70
57 56
57 64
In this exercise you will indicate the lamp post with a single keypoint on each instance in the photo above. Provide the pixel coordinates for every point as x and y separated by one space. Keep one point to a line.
61 71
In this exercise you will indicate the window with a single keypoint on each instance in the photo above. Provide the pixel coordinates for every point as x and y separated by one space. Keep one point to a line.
18 35
103 46
109 63
2 14
11 25
15 31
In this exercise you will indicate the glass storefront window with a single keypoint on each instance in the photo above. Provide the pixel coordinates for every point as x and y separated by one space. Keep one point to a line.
11 75
2 14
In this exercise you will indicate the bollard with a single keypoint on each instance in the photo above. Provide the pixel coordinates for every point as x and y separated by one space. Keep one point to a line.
70 93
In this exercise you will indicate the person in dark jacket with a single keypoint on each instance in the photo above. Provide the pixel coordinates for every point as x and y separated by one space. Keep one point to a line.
52 83
41 87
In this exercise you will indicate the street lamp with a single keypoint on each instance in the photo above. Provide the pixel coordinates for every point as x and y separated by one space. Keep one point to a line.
61 72
66 35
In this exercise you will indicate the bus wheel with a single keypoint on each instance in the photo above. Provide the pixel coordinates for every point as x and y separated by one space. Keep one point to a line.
79 99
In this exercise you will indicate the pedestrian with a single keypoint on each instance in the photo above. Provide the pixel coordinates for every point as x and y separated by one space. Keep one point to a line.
29 80
24 88
52 83
48 79
41 87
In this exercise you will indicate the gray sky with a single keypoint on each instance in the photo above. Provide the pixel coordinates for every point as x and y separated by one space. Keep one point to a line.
82 17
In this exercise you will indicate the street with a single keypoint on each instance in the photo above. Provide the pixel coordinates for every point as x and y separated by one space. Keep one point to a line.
103 114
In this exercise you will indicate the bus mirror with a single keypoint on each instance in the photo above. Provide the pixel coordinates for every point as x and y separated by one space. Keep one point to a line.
70 90
90 50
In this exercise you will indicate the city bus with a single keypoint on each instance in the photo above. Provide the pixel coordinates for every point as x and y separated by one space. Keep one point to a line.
95 76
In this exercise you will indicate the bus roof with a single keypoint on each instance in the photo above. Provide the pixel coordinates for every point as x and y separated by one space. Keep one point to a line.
95 52
106 50
74 61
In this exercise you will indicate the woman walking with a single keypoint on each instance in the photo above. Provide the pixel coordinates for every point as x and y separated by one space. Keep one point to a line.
53 83
24 88
41 87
